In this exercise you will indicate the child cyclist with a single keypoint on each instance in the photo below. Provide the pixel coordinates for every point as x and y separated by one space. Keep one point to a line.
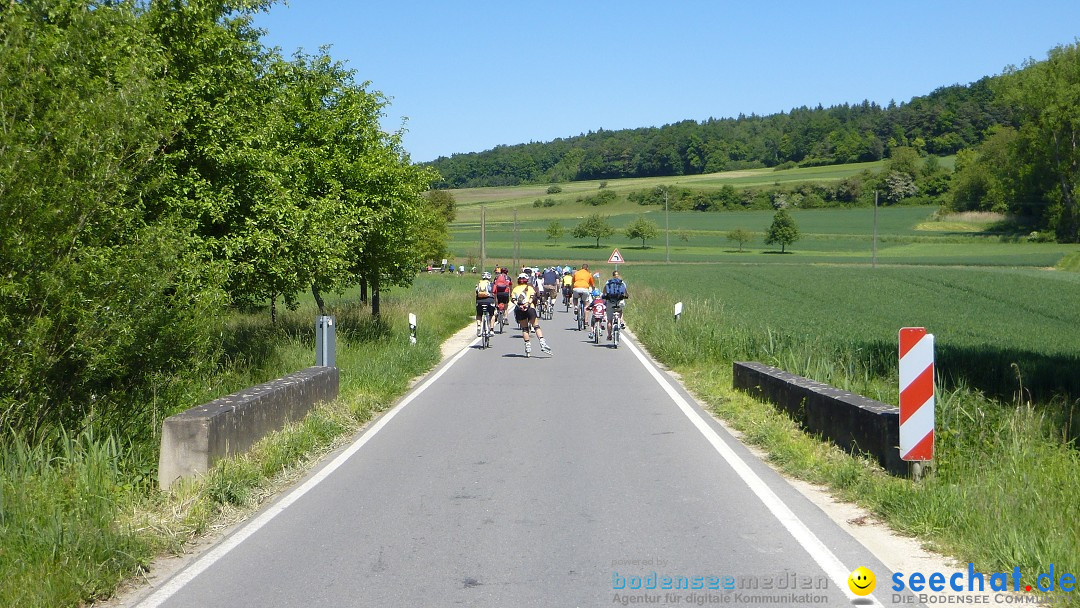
597 308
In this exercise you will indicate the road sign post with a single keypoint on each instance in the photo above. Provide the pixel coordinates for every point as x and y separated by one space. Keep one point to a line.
916 394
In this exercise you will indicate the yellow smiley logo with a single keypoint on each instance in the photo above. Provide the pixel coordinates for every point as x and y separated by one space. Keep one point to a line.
861 581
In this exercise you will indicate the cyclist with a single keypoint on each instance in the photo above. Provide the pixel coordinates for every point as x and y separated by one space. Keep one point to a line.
583 285
615 294
567 286
551 284
503 285
596 308
485 300
537 284
524 298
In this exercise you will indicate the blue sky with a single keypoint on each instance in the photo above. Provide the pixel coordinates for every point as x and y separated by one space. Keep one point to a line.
472 75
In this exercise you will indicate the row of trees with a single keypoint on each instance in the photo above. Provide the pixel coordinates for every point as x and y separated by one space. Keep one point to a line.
783 231
947 120
159 164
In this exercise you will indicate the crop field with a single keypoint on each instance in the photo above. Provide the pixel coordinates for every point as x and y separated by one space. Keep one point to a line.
996 330
840 236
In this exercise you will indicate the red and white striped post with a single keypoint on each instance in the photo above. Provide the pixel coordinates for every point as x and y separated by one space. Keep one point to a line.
916 394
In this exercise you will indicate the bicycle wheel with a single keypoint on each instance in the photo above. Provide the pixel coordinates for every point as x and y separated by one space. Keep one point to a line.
581 315
502 320
615 322
485 331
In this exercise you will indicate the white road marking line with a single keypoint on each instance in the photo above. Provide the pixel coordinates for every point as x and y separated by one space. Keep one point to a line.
186 575
825 558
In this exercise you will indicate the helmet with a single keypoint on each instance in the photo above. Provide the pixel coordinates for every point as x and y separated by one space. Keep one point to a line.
566 269
486 276
523 279
595 293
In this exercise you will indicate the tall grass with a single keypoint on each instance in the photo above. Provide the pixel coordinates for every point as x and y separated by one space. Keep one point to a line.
79 514
1005 490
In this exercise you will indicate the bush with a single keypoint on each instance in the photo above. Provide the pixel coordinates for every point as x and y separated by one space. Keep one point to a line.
554 189
601 198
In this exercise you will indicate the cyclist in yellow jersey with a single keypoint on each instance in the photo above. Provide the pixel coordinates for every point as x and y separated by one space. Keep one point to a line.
524 298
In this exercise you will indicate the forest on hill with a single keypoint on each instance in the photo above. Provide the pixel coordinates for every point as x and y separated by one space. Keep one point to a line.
941 123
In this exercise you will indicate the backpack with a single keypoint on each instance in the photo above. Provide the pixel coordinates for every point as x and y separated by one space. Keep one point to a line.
615 289
502 284
483 289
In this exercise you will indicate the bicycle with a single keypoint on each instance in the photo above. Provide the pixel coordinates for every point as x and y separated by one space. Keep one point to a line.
566 297
485 328
501 316
581 314
549 308
616 323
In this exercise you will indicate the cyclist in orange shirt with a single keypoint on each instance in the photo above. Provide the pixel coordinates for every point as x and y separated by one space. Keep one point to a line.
583 286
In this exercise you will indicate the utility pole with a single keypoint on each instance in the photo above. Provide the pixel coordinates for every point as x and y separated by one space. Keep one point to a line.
483 239
517 251
667 228
873 260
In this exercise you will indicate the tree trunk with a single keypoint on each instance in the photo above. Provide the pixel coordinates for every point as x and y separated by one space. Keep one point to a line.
363 290
273 309
318 299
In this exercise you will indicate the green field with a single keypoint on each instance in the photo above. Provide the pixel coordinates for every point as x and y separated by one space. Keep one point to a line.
840 323
841 236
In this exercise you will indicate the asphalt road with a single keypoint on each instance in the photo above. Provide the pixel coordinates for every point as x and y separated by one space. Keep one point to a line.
561 480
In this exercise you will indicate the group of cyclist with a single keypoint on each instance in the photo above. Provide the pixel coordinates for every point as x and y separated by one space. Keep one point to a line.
535 288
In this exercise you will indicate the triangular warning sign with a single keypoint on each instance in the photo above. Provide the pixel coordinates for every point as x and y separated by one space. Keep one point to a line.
616 258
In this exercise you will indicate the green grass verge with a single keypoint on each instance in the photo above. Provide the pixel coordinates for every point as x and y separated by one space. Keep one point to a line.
81 514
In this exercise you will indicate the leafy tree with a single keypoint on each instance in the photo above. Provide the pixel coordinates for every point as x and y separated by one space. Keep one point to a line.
100 289
643 229
555 231
984 179
554 189
595 226
684 235
444 202
739 236
783 230
1046 96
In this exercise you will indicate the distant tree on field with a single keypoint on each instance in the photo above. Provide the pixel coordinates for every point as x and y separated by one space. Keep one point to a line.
642 229
595 226
684 235
739 236
444 202
783 230
554 189
555 231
